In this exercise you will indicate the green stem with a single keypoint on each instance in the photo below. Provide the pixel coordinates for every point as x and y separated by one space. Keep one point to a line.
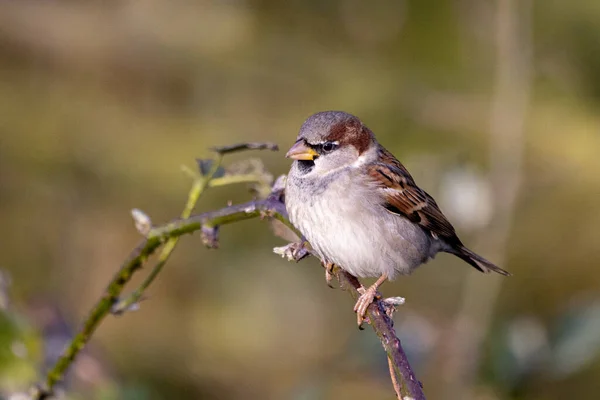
231 179
108 302
100 310
271 206
198 187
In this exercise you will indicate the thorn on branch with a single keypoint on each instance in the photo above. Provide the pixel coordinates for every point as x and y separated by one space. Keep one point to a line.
142 221
245 146
210 236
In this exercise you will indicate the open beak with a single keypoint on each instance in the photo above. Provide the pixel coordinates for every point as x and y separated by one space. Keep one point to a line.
301 151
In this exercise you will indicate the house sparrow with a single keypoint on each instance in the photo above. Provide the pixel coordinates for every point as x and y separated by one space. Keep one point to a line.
360 209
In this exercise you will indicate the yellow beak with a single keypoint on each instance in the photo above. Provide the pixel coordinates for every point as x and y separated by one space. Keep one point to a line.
300 151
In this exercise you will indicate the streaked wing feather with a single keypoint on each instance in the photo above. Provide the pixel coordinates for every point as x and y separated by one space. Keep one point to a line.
405 198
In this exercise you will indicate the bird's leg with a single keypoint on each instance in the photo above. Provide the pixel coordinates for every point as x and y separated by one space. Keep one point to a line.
328 272
366 298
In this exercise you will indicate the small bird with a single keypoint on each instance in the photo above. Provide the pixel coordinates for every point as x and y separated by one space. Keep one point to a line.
360 209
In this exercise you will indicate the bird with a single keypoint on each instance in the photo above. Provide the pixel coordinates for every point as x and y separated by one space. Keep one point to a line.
361 210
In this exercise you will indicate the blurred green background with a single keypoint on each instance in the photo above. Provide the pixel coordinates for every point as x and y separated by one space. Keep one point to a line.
493 106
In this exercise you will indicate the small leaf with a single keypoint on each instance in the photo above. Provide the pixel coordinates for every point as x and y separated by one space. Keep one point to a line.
142 221
210 236
205 165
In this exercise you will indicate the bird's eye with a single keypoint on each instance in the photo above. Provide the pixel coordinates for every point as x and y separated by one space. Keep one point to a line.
329 146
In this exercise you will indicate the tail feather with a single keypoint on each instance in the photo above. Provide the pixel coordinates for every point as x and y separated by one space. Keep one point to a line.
477 261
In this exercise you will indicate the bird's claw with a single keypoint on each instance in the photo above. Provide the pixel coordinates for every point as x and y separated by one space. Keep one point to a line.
367 296
328 273
265 214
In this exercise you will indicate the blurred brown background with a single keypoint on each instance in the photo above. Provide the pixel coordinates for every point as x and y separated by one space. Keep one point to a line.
493 106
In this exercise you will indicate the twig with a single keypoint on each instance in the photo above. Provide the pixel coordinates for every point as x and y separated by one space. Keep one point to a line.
273 207
102 308
395 383
231 179
384 329
109 301
245 146
379 318
198 187
137 257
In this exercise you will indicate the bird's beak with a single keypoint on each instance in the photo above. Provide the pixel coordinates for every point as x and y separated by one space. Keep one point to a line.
301 151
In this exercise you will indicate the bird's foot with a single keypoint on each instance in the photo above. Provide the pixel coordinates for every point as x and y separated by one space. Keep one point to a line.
328 272
293 251
367 296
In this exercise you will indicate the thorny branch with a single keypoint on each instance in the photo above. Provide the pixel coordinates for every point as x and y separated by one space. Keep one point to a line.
271 207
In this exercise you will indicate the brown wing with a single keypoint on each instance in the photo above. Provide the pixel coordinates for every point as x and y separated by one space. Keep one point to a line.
405 198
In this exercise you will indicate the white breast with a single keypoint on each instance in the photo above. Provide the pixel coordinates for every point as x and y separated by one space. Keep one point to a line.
346 224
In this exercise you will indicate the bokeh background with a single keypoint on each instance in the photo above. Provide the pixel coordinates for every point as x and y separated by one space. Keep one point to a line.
493 106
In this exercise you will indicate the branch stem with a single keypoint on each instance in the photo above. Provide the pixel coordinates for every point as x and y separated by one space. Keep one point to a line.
272 207
231 179
198 187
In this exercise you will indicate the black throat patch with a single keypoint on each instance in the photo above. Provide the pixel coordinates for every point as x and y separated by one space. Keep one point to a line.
305 166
